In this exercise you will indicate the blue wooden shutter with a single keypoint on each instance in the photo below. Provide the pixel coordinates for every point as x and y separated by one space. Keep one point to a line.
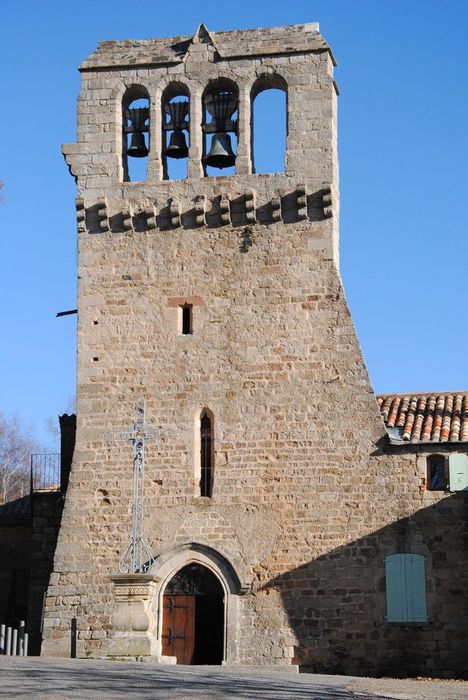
396 594
458 470
406 588
415 574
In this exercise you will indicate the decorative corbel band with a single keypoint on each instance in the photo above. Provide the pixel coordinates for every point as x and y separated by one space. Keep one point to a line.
200 210
250 206
174 212
242 210
102 214
327 201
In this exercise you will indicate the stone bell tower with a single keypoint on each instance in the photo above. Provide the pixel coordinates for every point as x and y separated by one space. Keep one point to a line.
216 299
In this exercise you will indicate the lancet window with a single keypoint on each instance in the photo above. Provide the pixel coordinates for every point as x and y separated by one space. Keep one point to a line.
206 455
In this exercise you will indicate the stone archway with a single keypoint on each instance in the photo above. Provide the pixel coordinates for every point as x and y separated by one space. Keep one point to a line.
193 617
217 573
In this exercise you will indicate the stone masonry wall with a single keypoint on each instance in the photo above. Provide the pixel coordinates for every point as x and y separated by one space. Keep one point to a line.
46 514
15 541
306 500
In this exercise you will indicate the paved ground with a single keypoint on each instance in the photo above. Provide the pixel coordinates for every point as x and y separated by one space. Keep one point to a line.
60 679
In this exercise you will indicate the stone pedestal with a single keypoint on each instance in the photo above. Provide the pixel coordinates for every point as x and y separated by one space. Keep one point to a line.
134 623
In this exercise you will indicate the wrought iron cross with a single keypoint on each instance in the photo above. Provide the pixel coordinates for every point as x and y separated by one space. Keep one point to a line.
137 556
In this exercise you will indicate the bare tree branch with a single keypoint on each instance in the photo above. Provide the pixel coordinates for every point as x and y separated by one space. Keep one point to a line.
16 446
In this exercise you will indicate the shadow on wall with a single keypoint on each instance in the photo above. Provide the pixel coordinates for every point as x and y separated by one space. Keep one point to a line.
337 603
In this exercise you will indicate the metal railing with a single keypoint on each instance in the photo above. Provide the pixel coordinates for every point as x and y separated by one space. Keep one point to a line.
14 641
45 472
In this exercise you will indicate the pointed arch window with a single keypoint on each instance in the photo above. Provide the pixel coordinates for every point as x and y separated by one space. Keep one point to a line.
136 133
206 455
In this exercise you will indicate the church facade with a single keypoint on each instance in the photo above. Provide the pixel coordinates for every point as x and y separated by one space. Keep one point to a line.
282 523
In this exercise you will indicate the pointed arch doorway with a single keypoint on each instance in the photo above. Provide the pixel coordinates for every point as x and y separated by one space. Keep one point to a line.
193 616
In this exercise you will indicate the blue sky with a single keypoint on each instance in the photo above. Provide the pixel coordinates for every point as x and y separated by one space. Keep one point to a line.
402 73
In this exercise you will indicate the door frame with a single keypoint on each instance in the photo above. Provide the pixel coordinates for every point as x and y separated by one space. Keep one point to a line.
168 563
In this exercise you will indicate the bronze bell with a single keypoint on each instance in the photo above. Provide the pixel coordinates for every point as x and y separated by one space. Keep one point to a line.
221 154
138 147
177 147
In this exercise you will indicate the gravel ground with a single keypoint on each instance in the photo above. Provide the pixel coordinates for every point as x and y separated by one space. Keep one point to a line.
60 679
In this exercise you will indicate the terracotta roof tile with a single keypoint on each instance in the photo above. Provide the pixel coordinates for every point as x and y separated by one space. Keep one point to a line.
426 417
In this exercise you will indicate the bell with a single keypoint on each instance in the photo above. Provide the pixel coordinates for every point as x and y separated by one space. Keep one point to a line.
221 154
138 147
177 147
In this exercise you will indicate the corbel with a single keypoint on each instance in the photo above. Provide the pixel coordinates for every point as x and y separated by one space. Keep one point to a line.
301 195
102 214
127 219
225 209
80 214
250 206
174 212
150 218
327 200
276 209
200 210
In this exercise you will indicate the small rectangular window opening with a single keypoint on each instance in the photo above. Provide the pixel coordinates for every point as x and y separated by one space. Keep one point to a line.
436 473
186 310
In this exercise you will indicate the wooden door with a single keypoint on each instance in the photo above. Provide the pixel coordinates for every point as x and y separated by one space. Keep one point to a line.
178 631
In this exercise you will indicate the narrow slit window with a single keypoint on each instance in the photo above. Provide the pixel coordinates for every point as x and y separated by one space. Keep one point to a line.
186 325
206 456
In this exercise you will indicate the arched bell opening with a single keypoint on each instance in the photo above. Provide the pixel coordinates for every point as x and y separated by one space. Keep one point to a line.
269 124
193 620
136 134
220 130
176 131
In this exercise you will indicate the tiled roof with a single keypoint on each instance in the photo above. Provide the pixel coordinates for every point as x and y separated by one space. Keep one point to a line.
242 42
14 511
431 418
